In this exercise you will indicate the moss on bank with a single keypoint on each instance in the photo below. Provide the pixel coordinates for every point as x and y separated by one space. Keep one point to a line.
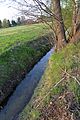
66 60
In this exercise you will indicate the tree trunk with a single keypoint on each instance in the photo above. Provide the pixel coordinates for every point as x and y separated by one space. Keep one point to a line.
76 21
76 37
59 25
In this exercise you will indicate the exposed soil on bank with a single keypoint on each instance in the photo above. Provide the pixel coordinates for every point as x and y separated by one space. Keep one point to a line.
41 46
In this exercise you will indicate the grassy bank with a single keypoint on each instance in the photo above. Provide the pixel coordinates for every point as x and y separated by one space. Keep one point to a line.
9 37
15 45
20 48
16 62
62 65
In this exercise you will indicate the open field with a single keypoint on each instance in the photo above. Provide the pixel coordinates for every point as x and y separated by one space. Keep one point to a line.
9 37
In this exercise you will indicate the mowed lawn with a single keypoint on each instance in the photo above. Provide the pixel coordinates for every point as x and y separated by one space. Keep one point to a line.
10 37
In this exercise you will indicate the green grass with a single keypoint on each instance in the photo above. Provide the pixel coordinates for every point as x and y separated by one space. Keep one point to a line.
69 59
10 37
16 53
13 61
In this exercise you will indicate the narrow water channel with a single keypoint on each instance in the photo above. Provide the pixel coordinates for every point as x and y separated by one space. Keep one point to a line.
25 90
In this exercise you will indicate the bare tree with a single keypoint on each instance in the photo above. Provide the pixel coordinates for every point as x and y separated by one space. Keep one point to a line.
52 8
76 21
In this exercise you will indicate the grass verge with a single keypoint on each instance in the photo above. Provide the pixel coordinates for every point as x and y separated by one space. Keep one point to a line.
66 60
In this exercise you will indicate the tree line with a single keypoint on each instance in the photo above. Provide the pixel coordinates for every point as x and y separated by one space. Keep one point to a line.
7 23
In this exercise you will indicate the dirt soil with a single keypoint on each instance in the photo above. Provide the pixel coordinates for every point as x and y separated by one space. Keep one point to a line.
62 107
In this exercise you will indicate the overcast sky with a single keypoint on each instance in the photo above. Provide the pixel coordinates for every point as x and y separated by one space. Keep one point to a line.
7 12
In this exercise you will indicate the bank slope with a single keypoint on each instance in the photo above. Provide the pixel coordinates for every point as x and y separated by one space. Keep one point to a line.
18 61
20 48
61 79
10 37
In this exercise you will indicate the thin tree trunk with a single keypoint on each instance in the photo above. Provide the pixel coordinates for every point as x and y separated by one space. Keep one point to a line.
75 21
59 25
76 37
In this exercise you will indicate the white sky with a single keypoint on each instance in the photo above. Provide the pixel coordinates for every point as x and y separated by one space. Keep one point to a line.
7 12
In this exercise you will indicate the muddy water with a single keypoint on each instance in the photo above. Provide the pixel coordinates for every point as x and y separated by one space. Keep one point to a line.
25 90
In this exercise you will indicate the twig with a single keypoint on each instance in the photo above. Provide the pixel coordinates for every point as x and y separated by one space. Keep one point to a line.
50 91
73 78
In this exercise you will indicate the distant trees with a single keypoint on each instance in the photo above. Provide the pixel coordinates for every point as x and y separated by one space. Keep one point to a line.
5 23
23 19
9 24
0 24
18 21
13 22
